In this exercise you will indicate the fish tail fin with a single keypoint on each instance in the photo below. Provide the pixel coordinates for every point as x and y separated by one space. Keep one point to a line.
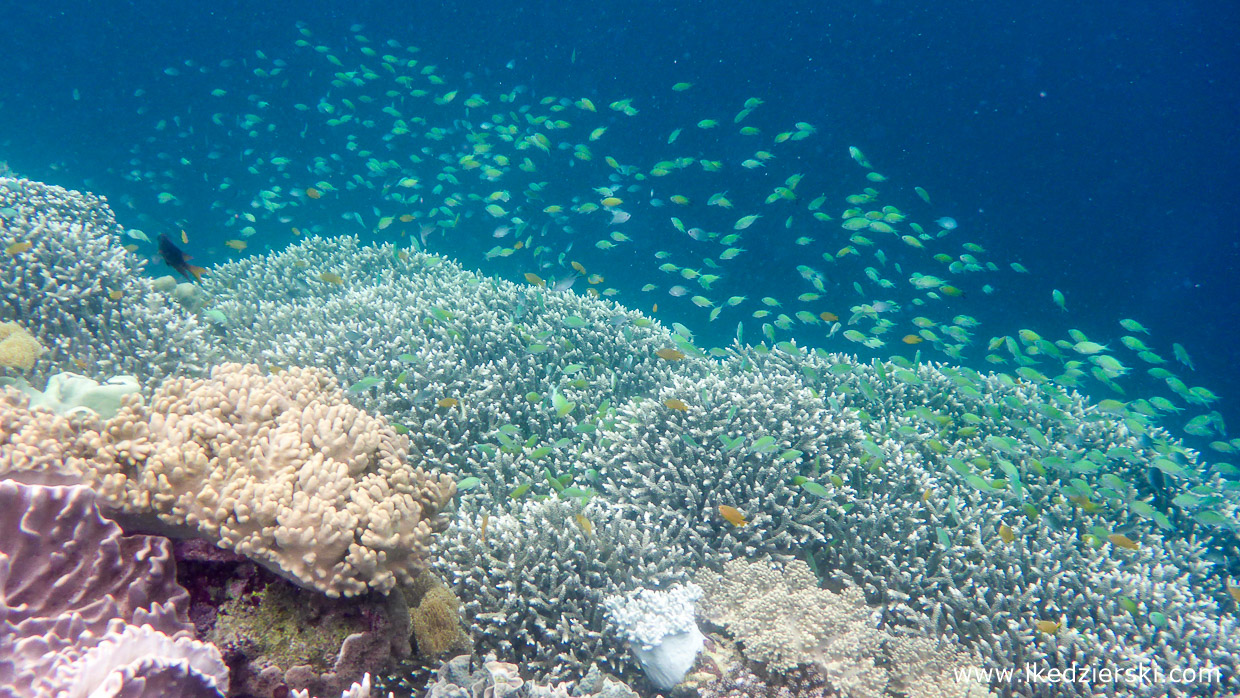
196 272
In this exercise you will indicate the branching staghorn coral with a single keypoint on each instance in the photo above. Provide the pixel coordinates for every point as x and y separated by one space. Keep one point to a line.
84 297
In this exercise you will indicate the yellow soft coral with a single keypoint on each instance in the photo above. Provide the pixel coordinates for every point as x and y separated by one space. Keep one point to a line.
18 348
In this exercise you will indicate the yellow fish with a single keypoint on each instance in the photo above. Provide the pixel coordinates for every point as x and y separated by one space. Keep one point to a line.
1120 540
448 402
676 404
18 247
733 515
331 278
1050 627
585 524
668 354
534 279
1085 503
237 245
1005 532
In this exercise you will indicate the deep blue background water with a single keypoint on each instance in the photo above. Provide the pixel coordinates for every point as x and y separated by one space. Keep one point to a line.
1095 143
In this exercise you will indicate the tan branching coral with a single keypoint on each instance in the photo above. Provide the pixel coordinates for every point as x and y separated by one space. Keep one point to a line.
280 468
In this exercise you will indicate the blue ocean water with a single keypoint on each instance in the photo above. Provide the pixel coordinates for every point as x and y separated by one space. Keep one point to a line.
1096 145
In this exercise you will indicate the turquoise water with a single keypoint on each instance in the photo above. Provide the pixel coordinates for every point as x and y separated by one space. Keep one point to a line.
991 188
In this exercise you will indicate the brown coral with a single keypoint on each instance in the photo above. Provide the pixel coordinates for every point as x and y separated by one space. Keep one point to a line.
437 623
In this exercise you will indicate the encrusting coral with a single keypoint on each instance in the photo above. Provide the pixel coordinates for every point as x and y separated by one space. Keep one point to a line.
782 618
280 468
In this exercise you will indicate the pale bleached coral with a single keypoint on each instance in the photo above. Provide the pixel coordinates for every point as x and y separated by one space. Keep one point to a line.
69 393
84 297
280 468
463 677
360 689
123 662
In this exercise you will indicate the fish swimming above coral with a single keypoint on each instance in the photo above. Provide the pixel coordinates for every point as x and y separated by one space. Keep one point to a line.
176 258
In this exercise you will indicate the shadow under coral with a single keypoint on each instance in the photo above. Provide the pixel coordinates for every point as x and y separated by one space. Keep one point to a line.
277 637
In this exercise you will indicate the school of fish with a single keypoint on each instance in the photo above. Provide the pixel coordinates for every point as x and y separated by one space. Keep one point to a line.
527 187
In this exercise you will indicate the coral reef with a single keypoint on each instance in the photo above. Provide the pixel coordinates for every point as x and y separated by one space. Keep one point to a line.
745 435
84 298
86 608
533 581
783 620
280 468
976 504
985 506
460 677
498 350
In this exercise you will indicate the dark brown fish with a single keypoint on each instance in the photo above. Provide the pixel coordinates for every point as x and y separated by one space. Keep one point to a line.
176 258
